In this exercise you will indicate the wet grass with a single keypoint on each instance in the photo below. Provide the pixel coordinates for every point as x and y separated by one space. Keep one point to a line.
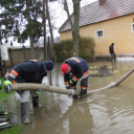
3 94
15 129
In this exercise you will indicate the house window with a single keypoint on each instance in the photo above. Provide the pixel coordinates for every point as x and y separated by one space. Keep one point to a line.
99 33
132 27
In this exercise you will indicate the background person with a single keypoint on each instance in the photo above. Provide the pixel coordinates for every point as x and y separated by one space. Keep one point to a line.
74 69
31 71
111 50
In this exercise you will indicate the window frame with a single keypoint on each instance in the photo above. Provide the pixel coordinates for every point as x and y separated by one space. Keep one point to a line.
96 32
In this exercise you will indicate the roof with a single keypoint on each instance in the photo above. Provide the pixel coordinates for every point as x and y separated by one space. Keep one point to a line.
95 12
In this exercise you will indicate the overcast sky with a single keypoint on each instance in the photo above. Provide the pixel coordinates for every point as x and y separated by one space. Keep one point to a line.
60 16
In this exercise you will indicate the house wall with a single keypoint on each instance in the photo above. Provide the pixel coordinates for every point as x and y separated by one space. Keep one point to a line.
116 30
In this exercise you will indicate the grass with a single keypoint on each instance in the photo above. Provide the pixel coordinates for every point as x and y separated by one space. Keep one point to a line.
15 129
3 94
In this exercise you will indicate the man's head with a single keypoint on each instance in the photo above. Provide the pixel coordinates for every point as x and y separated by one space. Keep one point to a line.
65 68
49 65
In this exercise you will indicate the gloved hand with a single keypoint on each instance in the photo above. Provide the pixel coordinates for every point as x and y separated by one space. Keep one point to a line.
7 85
38 91
71 82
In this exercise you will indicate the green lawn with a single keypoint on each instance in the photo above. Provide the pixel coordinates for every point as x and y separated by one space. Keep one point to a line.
15 129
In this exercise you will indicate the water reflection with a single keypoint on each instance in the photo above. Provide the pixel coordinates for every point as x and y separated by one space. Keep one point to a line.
113 113
106 112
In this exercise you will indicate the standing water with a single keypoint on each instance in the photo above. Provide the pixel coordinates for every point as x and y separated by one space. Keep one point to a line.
110 111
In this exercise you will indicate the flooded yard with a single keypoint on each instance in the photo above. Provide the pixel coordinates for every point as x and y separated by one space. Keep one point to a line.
107 112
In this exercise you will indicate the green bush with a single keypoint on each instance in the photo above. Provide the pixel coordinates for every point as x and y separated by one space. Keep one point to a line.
64 49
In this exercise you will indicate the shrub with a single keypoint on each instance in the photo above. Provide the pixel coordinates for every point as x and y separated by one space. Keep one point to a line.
64 49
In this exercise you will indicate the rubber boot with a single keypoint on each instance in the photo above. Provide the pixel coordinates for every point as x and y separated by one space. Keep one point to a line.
75 96
24 116
35 101
83 93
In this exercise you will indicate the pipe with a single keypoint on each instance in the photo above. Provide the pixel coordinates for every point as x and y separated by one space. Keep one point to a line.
114 83
32 86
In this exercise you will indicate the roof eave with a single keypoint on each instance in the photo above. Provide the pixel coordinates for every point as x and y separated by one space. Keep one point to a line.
95 22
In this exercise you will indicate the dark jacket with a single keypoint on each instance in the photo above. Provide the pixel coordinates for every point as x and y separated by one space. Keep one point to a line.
79 68
30 71
111 49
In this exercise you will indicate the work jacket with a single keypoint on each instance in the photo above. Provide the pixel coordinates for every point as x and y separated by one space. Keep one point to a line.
111 49
29 72
79 70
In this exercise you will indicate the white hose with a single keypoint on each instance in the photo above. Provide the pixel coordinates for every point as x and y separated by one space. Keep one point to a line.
31 86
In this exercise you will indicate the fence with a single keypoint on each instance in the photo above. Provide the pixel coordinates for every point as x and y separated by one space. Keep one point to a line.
20 55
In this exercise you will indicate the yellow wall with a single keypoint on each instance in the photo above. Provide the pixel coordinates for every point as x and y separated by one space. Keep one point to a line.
116 30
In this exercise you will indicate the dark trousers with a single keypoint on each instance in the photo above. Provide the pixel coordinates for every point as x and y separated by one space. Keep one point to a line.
113 56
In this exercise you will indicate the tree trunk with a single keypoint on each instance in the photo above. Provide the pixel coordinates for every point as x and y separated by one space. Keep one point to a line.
11 56
44 25
24 52
74 25
68 14
32 47
76 36
30 37
0 38
50 29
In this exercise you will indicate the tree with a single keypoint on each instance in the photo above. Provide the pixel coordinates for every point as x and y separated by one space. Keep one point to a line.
25 19
74 22
21 20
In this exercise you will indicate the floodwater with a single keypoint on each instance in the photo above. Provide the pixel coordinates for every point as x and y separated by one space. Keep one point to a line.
110 111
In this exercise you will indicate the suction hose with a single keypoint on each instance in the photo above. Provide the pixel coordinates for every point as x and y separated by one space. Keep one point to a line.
32 86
